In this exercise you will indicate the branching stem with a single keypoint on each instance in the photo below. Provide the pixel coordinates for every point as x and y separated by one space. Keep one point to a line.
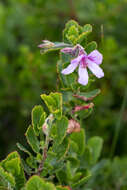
44 155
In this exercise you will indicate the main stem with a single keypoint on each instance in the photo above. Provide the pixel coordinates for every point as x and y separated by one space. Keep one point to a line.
44 155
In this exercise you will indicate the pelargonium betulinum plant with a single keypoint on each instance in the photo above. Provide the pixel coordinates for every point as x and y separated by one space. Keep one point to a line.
59 156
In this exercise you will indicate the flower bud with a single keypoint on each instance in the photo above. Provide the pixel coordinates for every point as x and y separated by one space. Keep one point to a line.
73 126
45 129
46 44
67 50
47 124
79 108
78 49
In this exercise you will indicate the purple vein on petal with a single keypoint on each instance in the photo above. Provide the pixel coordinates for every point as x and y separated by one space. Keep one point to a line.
96 57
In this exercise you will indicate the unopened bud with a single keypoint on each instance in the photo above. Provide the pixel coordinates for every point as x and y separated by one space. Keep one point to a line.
47 124
78 49
79 108
46 44
73 126
67 50
81 49
45 129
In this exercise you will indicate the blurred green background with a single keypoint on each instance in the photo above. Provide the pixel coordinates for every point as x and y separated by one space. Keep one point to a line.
25 74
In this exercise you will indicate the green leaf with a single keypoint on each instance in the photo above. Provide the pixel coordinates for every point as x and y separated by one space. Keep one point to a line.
54 103
38 118
95 144
87 28
88 95
61 149
82 181
66 58
71 80
77 176
7 178
67 96
10 157
68 171
79 139
61 176
26 168
68 81
53 162
32 162
72 34
12 164
74 162
83 114
71 23
22 148
86 157
61 126
73 146
91 46
82 38
32 139
72 166
62 79
37 183
71 31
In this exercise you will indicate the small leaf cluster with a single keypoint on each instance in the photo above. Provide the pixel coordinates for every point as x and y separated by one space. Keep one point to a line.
76 34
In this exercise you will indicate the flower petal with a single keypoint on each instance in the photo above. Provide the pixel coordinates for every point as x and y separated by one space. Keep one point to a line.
83 75
96 57
71 67
77 59
95 69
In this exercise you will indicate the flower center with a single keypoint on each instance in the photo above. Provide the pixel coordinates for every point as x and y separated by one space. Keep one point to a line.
83 62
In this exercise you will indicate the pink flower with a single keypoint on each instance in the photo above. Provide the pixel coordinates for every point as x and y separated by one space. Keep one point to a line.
92 61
